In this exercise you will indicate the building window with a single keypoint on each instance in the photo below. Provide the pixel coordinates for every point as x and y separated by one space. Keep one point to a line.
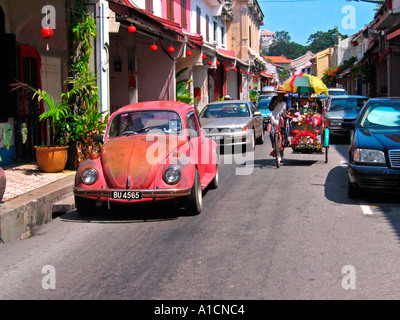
222 35
170 10
183 14
250 44
198 21
215 31
207 28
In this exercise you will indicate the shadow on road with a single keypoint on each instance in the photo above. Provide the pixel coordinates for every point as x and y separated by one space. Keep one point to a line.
386 205
131 213
336 186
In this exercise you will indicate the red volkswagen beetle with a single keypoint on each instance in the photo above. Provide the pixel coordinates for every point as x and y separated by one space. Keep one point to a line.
151 151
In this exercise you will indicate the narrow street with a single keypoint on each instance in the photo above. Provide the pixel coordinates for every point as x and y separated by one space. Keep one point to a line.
283 233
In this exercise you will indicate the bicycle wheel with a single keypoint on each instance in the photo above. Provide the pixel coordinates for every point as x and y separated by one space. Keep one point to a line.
278 149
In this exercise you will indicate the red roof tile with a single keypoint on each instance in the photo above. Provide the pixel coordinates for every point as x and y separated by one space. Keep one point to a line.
278 59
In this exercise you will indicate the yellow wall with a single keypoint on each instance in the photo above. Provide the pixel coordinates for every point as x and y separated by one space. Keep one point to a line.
323 61
240 29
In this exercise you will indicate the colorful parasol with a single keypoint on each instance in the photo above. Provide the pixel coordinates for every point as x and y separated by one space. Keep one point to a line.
304 82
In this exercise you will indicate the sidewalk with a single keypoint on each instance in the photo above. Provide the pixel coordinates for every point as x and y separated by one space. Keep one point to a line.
29 197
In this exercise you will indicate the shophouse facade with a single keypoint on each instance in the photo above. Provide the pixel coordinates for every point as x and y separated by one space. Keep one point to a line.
139 49
24 57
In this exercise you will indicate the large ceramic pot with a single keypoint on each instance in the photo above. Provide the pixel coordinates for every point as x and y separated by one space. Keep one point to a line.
3 181
51 159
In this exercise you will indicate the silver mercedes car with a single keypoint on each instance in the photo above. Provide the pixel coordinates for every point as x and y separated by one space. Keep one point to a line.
233 123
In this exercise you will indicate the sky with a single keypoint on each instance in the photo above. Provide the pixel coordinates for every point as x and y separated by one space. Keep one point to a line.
301 18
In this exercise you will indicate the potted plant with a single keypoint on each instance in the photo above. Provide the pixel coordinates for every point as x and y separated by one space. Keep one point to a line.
51 158
5 137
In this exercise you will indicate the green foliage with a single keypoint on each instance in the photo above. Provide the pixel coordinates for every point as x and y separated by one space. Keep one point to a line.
183 94
319 41
284 73
330 75
322 40
253 95
6 135
83 29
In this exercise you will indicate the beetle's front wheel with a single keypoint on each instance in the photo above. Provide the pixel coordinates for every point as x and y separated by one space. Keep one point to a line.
194 201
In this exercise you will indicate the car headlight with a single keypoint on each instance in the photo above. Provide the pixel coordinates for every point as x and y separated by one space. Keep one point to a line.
89 176
335 122
239 129
172 175
371 156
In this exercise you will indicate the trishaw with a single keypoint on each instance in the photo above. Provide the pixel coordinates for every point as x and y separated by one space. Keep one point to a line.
303 129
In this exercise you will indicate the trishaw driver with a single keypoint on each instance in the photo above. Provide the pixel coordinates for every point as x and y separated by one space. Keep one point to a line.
279 106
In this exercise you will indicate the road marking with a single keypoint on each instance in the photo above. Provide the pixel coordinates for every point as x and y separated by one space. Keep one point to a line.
366 209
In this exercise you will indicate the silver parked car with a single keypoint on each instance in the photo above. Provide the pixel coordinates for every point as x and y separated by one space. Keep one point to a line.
341 113
233 123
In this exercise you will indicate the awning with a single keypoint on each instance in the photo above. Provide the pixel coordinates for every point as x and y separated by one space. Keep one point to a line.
266 75
153 25
226 54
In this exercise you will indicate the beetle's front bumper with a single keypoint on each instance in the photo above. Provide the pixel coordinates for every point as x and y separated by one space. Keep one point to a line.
105 194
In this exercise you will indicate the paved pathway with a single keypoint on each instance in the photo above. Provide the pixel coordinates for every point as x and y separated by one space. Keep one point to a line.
27 177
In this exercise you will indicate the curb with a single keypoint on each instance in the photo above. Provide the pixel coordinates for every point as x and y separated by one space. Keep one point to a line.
20 217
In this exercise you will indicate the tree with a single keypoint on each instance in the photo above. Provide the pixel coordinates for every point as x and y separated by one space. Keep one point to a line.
322 40
283 45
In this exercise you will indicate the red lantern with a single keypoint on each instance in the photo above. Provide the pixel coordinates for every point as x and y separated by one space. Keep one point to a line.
131 29
47 33
374 56
226 69
245 72
204 56
383 56
251 72
209 63
240 71
188 53
153 48
235 69
218 63
171 49
389 50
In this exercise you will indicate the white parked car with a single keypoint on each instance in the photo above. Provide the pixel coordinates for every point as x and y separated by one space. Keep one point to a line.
337 92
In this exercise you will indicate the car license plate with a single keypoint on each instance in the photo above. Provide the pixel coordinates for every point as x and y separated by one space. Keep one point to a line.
126 195
217 137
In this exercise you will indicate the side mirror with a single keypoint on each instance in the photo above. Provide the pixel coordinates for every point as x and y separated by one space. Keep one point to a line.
98 138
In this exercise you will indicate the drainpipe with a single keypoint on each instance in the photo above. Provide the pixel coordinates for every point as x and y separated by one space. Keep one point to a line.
103 48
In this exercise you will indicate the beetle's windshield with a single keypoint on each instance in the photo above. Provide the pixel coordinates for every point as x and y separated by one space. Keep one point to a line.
145 122
381 114
228 110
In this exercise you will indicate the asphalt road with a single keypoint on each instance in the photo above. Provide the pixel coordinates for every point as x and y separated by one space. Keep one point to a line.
288 233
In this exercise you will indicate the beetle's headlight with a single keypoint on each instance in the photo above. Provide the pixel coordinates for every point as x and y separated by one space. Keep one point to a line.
172 175
89 176
370 156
